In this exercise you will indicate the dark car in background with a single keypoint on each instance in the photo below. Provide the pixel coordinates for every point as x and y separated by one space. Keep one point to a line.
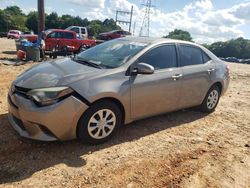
113 34
232 59
3 34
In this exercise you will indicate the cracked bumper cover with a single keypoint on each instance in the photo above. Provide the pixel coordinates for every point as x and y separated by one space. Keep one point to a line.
54 122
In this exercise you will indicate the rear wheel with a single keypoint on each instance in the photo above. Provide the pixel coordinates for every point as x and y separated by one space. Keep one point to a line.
211 100
82 48
99 123
109 38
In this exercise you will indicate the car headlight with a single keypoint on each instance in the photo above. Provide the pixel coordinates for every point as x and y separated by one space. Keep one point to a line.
49 96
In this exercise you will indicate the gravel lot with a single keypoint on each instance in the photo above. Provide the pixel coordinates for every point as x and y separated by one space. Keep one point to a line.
180 149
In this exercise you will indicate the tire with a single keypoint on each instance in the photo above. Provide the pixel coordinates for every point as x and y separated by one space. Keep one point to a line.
82 48
54 56
211 100
65 51
88 130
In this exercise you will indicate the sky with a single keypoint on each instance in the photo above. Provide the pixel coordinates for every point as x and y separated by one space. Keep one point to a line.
207 20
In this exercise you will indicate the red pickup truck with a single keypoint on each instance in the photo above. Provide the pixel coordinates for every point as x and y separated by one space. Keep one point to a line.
60 39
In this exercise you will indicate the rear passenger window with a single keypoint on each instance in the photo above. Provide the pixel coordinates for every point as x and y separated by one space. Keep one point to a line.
161 57
190 55
67 35
206 58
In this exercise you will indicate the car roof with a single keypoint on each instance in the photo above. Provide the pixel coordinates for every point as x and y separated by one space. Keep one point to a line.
153 40
15 30
75 26
61 30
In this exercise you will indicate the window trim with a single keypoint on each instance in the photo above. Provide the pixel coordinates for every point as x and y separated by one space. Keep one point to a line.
207 56
159 45
192 46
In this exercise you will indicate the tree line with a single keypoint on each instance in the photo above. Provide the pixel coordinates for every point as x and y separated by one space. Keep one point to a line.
12 17
239 48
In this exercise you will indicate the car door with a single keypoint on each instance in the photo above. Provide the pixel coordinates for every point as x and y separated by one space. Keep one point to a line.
198 70
159 92
116 34
66 39
52 40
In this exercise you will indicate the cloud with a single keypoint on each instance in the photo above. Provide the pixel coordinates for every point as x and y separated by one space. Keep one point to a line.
203 22
241 11
99 4
72 10
49 9
27 10
204 4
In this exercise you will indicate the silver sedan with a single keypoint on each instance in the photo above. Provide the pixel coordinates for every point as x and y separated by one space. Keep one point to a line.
90 95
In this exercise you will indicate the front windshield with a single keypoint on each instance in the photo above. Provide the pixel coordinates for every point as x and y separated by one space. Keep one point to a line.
113 53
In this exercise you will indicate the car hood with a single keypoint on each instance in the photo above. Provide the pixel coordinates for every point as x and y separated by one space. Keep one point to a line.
55 73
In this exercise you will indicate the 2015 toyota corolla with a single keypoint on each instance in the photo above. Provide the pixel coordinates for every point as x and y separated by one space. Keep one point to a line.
91 95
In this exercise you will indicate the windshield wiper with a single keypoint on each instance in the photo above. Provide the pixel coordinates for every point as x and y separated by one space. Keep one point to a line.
89 63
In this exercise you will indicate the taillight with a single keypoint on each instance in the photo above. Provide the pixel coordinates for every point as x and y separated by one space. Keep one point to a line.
228 68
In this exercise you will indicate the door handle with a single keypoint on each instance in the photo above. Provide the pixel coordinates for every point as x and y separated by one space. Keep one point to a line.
177 76
210 70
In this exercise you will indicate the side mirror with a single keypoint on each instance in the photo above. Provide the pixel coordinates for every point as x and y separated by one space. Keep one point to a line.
143 68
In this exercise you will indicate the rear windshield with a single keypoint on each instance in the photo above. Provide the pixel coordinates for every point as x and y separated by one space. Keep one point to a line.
13 32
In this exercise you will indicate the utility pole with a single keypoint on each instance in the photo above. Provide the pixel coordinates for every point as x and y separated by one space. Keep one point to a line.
41 15
119 12
134 28
131 15
146 19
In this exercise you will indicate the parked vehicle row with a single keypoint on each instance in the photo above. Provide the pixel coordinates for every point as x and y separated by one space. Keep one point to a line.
91 95
63 40
81 33
16 34
235 60
113 35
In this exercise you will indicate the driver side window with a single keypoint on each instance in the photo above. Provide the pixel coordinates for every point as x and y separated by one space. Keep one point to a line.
161 57
54 35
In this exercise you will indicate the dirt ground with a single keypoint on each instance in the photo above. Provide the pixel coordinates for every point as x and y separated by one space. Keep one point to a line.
181 149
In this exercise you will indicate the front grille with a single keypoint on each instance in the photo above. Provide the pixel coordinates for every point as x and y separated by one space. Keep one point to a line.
46 130
19 123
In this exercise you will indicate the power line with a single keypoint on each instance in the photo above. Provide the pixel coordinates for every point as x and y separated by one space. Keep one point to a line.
119 12
144 31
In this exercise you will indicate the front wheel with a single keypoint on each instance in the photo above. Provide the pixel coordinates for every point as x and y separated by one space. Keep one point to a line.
99 123
211 100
